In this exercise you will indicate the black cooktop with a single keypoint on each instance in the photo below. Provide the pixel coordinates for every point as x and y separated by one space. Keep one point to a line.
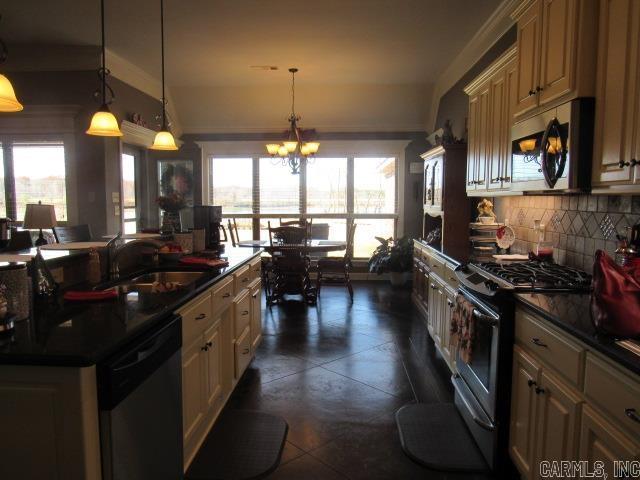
537 275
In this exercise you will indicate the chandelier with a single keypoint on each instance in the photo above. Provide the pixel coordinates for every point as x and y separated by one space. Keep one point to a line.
294 148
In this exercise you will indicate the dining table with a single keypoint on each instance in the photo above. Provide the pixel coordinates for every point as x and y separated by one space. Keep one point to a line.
310 247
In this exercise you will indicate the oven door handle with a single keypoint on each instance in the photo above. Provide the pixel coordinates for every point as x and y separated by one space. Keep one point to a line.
488 319
472 411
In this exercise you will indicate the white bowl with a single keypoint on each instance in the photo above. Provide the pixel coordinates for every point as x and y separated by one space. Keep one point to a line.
486 220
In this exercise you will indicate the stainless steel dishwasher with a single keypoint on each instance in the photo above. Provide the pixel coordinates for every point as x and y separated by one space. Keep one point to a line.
140 402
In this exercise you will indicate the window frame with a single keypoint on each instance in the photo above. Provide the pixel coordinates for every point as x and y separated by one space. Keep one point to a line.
372 151
67 142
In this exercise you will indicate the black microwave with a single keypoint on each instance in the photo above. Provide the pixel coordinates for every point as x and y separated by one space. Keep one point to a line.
552 151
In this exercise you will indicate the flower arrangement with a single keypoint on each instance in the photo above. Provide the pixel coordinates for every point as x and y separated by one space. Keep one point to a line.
174 202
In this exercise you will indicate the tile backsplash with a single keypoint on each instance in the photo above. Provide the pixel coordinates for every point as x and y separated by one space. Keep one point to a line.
577 225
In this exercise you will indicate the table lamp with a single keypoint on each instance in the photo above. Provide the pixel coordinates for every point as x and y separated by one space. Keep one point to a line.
39 216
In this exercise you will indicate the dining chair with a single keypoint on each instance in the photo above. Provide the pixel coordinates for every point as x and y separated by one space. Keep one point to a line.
75 233
233 232
301 222
336 269
290 263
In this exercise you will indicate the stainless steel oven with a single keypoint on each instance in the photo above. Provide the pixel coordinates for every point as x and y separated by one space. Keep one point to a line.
551 152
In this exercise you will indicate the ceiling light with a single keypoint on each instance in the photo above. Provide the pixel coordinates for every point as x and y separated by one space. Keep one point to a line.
104 123
164 139
8 100
293 150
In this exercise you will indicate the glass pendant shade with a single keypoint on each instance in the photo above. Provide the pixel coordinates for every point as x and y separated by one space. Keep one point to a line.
290 146
164 141
304 150
527 145
8 100
313 147
282 151
273 148
104 124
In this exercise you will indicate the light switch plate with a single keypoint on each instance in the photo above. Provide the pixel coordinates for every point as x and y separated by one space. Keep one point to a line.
116 210
115 197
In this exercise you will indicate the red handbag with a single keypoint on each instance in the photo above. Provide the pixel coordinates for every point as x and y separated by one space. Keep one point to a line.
615 301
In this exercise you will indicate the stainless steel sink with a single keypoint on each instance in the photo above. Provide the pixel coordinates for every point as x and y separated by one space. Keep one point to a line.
185 278
145 283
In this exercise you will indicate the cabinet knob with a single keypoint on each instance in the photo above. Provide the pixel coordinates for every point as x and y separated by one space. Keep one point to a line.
204 349
540 390
245 312
539 89
531 383
632 414
532 92
539 342
245 351
209 344
226 295
201 316
506 179
496 180
450 303
433 287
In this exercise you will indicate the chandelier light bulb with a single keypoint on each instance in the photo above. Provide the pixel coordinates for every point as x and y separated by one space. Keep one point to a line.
282 151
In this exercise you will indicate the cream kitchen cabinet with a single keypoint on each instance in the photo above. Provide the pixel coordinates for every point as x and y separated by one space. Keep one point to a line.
491 108
218 328
556 41
568 405
617 125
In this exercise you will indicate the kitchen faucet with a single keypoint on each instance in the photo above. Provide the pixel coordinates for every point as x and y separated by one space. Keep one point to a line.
115 251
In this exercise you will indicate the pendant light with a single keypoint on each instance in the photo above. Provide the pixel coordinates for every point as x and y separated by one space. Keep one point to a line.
8 100
103 122
294 148
164 139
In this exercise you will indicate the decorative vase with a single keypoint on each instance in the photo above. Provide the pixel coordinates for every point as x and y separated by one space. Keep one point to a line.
170 222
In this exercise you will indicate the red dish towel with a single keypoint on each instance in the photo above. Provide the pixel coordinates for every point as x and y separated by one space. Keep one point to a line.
80 296
463 328
209 262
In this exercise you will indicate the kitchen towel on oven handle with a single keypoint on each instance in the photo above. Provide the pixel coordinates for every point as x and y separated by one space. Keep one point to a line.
615 301
462 328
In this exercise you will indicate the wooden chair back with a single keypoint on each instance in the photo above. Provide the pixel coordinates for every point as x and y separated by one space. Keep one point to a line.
75 233
287 236
348 254
233 231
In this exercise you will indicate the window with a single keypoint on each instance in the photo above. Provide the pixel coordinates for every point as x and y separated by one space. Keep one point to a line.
279 189
231 183
129 215
374 181
327 185
333 192
39 175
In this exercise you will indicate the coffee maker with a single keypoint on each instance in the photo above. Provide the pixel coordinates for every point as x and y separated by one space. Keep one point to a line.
209 218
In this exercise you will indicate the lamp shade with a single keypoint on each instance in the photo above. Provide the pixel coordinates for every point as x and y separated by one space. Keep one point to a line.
104 124
8 100
164 141
282 151
290 145
313 147
272 148
38 215
527 145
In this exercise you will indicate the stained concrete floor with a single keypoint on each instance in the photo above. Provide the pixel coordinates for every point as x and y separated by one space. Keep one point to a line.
337 373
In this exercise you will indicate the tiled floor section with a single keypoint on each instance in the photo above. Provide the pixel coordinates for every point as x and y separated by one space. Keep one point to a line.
337 373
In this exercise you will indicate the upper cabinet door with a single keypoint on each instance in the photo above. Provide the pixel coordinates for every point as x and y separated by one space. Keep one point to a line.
473 143
528 58
511 78
617 88
437 168
483 140
498 126
558 52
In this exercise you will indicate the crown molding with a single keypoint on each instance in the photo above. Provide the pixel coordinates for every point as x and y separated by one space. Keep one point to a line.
488 72
495 27
413 127
138 78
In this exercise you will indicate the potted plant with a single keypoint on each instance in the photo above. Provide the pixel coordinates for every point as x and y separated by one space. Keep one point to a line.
395 257
171 205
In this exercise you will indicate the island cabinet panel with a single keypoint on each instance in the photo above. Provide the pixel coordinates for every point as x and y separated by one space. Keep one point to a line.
49 423
568 405
256 314
193 391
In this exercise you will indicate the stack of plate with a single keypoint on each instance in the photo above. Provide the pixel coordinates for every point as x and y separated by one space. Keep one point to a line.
483 240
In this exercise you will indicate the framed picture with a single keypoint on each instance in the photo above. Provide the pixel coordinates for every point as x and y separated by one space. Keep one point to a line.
176 176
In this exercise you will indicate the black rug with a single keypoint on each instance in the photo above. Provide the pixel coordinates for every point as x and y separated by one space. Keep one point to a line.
241 445
434 435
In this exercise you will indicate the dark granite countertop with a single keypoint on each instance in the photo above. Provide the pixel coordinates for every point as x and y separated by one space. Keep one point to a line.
83 333
572 313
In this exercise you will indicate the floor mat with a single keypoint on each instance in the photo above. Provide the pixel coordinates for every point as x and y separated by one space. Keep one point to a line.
241 445
435 436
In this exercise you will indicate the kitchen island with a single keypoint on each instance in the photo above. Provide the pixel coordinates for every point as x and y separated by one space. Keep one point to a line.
49 366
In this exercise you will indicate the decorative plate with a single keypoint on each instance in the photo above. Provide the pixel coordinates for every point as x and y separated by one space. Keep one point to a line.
505 237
